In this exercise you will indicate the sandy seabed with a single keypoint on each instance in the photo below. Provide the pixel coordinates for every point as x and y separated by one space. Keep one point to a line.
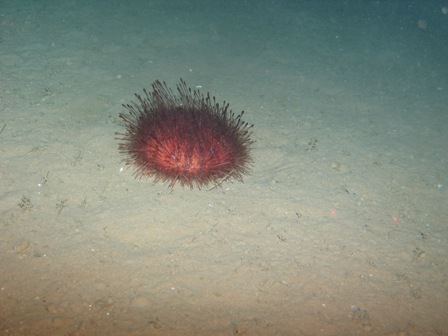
340 229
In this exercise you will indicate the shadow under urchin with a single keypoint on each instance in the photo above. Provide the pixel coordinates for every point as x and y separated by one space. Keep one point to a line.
186 138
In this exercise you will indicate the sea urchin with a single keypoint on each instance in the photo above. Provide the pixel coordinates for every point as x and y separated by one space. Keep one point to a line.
186 138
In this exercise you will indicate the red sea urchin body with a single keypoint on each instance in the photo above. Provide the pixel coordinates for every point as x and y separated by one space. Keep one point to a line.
186 138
